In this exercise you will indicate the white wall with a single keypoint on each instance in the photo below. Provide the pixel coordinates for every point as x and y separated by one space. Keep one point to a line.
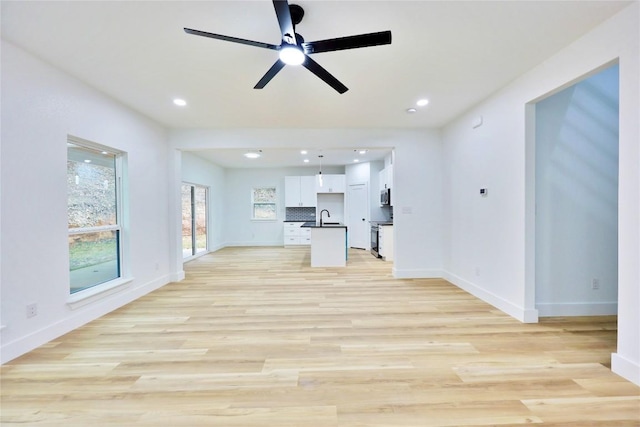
577 198
417 182
367 172
196 170
41 106
490 241
240 230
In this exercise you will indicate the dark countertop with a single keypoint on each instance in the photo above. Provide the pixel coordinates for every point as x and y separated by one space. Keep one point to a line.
381 222
314 224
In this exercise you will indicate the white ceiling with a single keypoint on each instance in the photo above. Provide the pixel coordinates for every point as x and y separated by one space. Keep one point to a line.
455 53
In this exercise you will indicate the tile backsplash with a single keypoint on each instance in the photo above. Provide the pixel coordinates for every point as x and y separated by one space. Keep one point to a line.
300 214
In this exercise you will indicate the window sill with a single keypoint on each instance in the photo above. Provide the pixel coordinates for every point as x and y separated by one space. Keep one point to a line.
97 292
264 220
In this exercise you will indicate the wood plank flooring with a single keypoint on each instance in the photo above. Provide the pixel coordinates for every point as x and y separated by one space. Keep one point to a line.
256 337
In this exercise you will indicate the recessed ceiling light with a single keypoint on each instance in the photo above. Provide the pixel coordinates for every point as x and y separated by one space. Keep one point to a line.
180 102
252 154
87 161
105 153
306 160
303 152
356 160
422 102
411 110
362 151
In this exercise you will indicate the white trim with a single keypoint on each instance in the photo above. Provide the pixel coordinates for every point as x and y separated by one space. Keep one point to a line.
177 276
520 313
85 230
274 203
94 293
78 318
626 368
196 256
118 227
578 309
253 243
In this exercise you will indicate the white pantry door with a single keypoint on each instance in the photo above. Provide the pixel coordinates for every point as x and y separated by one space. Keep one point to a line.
358 205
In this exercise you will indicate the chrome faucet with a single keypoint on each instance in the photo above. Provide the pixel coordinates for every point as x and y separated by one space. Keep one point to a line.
328 215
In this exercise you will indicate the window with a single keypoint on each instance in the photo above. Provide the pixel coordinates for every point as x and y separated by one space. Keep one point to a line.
194 220
94 212
263 203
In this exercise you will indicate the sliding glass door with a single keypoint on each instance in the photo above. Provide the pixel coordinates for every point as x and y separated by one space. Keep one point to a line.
194 220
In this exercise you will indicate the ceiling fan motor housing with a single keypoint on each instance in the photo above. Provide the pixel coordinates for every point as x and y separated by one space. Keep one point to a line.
297 13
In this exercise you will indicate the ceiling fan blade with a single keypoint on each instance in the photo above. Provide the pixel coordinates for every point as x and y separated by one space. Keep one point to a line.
230 39
284 19
349 42
316 69
270 74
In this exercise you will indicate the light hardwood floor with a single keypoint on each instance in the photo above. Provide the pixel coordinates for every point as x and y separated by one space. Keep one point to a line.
256 337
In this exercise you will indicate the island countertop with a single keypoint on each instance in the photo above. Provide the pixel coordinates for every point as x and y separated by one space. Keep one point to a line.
315 224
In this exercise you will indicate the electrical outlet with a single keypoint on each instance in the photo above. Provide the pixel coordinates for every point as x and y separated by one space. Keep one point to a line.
595 284
32 310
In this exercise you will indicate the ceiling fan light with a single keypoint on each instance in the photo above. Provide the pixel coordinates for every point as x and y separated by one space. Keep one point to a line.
292 55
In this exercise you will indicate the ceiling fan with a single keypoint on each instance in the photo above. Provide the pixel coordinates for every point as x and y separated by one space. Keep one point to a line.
293 50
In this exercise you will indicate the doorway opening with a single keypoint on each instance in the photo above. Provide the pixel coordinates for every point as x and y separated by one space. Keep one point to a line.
194 220
576 197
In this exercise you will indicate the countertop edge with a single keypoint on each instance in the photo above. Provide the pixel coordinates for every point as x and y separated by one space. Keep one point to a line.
313 224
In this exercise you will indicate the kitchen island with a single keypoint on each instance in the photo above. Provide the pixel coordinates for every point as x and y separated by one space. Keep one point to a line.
328 244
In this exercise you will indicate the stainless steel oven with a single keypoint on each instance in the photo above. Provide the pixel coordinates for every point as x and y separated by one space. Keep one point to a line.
374 240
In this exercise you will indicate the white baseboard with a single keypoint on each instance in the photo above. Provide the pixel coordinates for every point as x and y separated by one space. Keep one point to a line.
177 276
216 248
253 243
520 313
77 318
578 309
625 368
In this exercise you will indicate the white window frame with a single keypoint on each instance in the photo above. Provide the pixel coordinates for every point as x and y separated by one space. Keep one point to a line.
275 203
87 295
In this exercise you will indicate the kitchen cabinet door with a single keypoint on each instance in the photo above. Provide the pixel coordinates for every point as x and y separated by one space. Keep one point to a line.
331 184
382 179
299 191
292 191
386 242
308 191
295 235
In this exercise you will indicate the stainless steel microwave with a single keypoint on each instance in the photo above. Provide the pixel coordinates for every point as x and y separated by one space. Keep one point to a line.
385 197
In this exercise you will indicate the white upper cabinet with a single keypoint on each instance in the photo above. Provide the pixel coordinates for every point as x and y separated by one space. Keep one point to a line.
299 191
331 184
308 191
386 177
389 173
